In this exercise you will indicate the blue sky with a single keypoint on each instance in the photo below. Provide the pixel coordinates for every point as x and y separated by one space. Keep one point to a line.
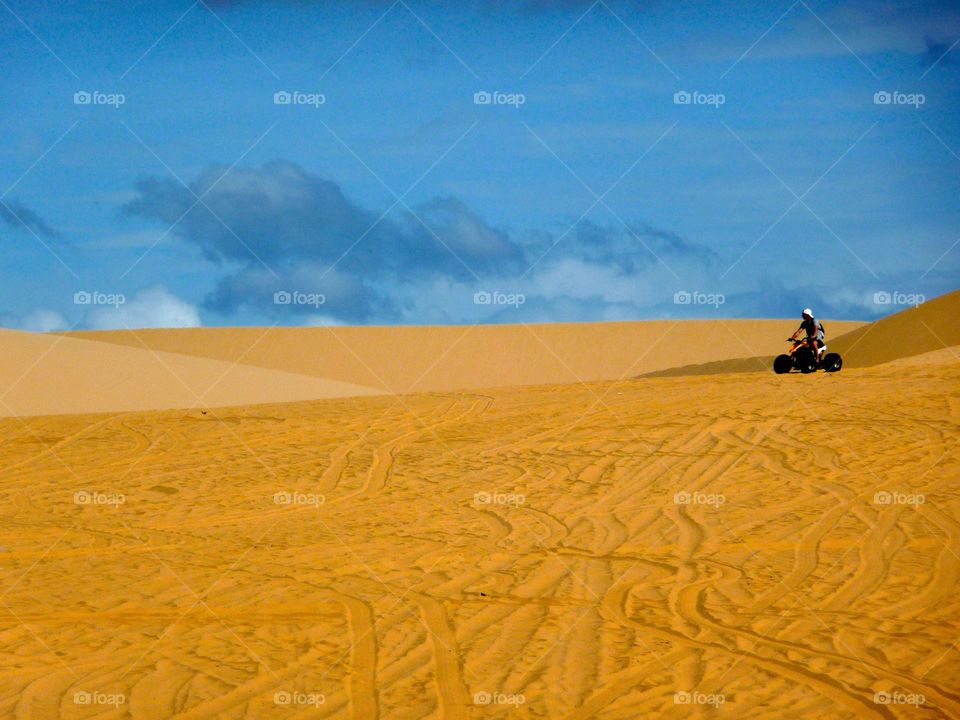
386 193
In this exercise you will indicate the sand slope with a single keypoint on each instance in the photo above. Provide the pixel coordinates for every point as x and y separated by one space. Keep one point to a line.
418 359
48 374
914 331
596 551
931 326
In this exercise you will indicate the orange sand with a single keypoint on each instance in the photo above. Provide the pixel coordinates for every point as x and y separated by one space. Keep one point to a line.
762 546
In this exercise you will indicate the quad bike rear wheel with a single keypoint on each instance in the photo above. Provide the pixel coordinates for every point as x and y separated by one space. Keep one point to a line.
832 362
782 364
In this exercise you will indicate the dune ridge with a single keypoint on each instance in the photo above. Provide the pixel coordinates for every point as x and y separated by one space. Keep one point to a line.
914 331
51 374
928 327
443 358
100 371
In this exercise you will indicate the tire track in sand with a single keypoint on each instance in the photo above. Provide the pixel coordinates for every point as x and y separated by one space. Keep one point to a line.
448 675
362 685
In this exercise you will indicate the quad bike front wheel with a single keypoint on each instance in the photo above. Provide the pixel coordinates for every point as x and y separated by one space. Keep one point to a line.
782 364
832 362
805 360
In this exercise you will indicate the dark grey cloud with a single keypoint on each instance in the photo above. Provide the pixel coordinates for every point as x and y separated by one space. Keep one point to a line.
20 217
347 298
280 212
289 228
936 53
279 227
469 236
632 246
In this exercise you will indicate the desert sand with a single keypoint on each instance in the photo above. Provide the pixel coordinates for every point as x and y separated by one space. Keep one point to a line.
54 375
595 546
438 358
914 331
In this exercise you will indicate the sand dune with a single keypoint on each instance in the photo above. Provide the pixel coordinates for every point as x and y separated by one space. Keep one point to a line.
48 374
289 364
730 545
420 359
914 331
931 326
649 548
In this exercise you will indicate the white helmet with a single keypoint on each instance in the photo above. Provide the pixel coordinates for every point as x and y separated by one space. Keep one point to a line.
808 312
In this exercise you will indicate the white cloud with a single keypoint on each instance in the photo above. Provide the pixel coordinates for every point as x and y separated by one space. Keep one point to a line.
42 320
577 278
153 307
321 321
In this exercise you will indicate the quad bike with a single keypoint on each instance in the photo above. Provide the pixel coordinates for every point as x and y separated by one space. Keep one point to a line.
806 359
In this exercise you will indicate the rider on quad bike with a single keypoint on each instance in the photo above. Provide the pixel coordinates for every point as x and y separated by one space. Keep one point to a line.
814 330
809 354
